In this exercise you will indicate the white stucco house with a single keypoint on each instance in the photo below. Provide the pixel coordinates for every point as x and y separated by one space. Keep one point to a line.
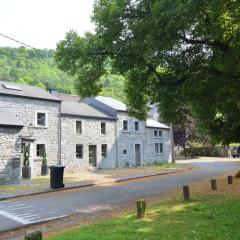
77 133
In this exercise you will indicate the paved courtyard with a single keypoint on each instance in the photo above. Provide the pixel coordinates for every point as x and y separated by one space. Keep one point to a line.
86 177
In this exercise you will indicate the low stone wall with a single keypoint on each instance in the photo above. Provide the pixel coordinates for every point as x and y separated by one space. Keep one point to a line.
10 153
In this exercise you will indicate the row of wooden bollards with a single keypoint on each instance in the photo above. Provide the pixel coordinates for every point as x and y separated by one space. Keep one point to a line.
186 192
141 204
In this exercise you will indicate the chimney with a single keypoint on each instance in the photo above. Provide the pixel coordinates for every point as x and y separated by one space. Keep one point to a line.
53 91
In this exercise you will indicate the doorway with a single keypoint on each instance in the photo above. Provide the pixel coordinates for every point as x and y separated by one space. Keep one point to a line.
137 155
92 149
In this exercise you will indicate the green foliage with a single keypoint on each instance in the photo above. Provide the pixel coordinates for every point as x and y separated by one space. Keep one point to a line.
183 55
26 161
33 67
37 67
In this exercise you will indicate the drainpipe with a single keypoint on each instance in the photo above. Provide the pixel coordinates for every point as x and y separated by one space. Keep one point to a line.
116 142
60 137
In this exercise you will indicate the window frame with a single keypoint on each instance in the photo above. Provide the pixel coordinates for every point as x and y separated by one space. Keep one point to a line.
76 127
105 128
44 148
125 121
36 119
81 155
158 148
157 133
138 126
104 153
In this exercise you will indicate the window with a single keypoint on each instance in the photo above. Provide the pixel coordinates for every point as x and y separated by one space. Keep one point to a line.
79 151
104 150
157 133
136 126
125 125
103 128
41 119
40 150
125 151
158 148
79 127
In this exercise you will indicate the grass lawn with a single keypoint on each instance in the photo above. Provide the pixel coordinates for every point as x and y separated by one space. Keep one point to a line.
209 215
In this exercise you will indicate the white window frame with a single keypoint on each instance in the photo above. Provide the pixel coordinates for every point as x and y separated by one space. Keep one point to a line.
46 119
125 130
76 127
36 156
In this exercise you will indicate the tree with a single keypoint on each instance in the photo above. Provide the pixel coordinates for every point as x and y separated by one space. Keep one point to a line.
183 55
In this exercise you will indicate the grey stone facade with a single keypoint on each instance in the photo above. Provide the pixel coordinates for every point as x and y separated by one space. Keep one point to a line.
26 109
91 135
88 149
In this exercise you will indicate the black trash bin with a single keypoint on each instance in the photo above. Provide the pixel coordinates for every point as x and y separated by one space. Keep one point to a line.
56 176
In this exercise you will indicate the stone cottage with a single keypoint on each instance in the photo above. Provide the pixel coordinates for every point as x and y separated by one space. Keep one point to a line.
78 133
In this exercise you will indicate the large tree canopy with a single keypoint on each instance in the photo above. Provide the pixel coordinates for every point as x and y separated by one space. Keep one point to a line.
183 55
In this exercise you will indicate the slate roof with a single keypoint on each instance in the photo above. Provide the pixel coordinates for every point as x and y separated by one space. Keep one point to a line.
83 110
68 97
26 91
154 124
9 119
113 103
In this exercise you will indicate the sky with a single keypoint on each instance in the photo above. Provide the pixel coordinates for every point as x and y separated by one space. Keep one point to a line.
42 23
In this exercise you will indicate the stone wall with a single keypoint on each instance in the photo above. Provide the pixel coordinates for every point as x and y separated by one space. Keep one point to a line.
126 140
151 157
91 135
10 151
145 137
25 110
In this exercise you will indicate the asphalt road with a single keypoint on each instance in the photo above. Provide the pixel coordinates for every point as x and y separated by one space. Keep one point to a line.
33 210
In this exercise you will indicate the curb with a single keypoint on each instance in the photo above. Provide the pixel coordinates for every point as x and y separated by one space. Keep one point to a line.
95 184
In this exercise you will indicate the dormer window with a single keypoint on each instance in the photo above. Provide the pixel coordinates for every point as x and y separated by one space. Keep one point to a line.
41 120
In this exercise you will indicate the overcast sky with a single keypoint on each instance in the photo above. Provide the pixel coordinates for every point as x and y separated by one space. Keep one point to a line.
42 23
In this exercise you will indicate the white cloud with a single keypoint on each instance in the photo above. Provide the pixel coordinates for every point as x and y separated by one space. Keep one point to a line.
42 23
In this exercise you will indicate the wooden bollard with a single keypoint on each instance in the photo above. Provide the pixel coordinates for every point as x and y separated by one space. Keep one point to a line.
186 193
213 184
230 179
37 235
141 208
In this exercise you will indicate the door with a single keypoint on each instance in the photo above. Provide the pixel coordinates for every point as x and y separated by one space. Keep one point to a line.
138 154
92 149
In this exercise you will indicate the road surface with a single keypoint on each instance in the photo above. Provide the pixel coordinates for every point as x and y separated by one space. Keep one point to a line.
33 210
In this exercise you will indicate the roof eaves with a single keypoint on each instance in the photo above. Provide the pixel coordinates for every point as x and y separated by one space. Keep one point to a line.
28 97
